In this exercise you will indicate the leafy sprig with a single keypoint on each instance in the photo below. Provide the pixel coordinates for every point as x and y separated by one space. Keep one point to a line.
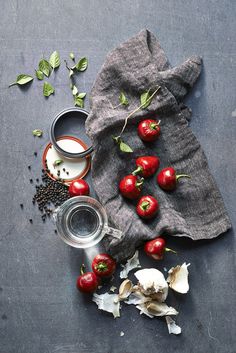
145 100
81 65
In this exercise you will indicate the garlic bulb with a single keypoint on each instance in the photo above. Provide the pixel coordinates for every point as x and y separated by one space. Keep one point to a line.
152 283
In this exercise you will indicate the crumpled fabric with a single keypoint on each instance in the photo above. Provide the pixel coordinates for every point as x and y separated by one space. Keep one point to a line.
195 209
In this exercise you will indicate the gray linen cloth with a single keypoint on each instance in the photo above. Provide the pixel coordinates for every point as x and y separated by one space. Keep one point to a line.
195 209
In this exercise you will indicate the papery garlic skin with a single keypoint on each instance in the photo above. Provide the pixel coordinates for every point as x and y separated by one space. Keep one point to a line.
178 278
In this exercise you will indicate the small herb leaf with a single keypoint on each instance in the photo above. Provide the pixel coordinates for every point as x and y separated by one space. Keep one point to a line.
74 90
57 162
146 99
47 89
54 60
125 148
22 80
72 56
79 102
82 64
39 74
45 67
82 95
37 132
122 98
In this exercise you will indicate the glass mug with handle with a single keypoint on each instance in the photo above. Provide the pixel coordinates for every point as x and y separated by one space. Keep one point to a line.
82 222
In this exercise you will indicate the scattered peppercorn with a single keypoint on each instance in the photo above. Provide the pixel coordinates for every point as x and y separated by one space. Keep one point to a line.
21 205
31 221
63 169
29 167
37 180
35 153
55 231
31 181
50 192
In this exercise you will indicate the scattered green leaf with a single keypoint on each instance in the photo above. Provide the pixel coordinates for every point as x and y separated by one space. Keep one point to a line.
72 56
37 132
82 95
45 67
145 99
74 90
82 64
122 98
79 102
125 148
22 80
54 60
39 74
47 89
57 162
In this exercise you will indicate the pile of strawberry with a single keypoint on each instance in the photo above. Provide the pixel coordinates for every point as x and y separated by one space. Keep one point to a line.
131 185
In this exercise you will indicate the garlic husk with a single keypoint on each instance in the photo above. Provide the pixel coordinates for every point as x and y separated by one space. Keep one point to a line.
125 289
132 263
137 298
108 302
160 309
172 327
178 278
151 282
143 310
113 289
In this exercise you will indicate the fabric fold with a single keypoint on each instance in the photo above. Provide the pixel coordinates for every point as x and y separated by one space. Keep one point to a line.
196 209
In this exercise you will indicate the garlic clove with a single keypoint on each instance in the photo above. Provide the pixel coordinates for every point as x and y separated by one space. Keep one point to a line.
125 289
160 309
178 278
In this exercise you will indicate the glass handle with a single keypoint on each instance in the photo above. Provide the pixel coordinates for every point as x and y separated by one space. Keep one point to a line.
116 233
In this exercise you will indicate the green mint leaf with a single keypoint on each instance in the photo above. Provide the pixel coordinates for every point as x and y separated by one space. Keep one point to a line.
57 162
37 132
72 56
122 98
125 148
145 99
47 89
54 60
39 74
79 102
22 80
45 67
82 95
82 64
74 90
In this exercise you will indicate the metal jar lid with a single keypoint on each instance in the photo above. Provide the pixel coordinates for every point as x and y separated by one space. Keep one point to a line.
68 118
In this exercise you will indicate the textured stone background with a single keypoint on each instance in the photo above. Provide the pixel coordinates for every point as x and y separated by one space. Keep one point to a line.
40 309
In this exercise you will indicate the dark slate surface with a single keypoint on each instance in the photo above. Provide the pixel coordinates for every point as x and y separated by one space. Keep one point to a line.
40 309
